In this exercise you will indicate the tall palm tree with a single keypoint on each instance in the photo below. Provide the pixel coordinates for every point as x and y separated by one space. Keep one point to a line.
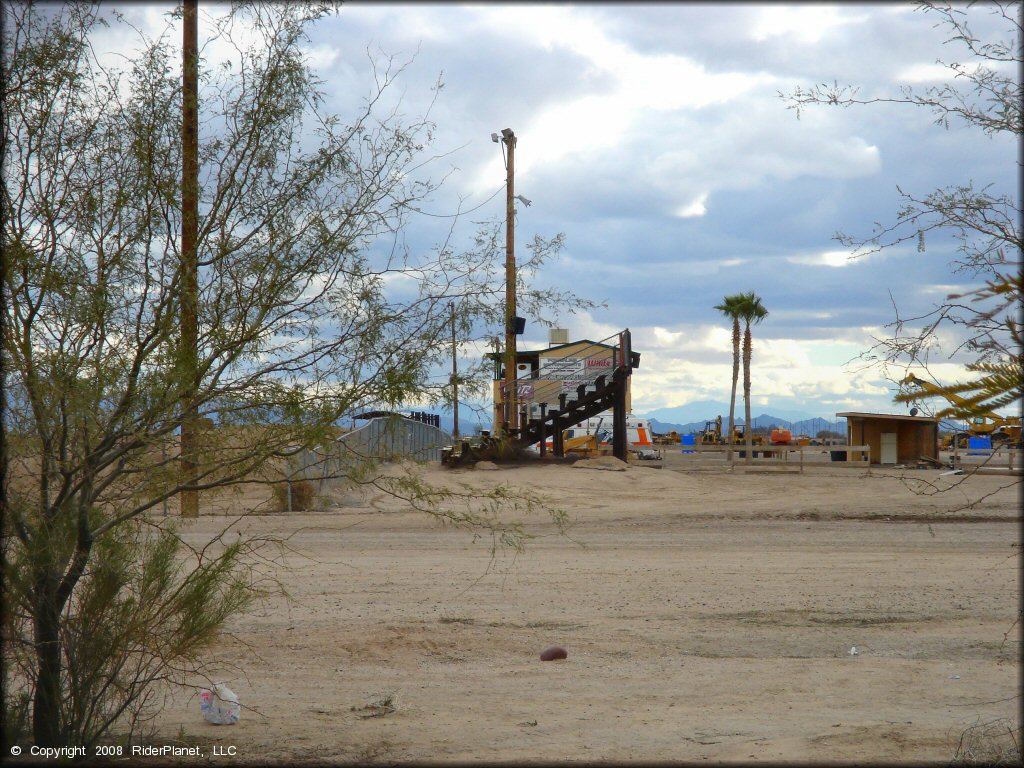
730 308
749 309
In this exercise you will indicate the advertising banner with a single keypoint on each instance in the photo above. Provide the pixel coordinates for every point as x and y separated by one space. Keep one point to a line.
562 368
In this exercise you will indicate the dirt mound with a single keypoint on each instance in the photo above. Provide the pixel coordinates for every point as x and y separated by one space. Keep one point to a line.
602 462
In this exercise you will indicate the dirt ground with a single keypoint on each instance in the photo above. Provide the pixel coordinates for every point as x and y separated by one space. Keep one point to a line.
706 614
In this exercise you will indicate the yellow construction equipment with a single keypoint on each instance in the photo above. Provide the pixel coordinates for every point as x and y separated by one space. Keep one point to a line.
672 438
740 439
712 432
1002 429
587 444
582 444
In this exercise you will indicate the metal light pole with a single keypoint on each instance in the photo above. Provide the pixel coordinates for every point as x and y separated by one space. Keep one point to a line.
508 138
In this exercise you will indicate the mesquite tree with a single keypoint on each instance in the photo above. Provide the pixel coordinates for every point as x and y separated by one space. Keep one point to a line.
297 325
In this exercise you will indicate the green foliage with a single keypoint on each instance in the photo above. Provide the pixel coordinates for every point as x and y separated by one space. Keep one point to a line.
297 325
1001 385
492 513
143 608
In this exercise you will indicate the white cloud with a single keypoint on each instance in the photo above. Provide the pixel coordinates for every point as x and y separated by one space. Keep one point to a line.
642 84
694 208
691 362
321 56
626 130
825 259
805 24
922 73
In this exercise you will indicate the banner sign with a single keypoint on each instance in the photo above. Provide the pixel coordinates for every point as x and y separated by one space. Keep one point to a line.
575 368
562 368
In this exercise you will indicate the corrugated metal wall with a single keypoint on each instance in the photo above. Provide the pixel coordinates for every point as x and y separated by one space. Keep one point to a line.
395 437
380 439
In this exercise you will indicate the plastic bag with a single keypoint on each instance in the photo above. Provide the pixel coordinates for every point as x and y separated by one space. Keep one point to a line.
219 706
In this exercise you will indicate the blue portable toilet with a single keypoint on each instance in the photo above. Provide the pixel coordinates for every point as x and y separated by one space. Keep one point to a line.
978 444
688 440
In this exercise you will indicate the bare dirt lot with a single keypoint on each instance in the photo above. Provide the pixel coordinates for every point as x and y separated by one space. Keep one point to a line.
706 614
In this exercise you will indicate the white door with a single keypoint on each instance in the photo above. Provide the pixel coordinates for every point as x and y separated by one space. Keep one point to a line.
889 448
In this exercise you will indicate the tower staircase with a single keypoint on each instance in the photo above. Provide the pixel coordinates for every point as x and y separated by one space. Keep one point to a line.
608 393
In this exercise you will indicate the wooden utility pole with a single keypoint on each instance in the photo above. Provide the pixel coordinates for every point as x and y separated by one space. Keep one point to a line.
189 353
509 399
455 373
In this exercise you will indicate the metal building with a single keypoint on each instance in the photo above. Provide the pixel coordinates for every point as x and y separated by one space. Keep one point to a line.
386 438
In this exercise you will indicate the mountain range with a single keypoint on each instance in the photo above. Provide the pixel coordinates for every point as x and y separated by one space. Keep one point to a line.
705 410
811 426
692 418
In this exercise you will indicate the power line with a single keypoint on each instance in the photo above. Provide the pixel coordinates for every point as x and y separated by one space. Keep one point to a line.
460 213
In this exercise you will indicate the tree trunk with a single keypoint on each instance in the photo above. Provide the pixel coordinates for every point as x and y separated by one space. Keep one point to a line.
748 429
735 380
46 720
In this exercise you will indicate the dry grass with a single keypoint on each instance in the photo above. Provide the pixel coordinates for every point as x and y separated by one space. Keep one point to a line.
988 743
303 496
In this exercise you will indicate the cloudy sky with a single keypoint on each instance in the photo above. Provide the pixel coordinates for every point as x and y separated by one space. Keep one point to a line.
654 137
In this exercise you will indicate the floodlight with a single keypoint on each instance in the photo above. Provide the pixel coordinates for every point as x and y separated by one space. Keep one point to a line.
523 200
495 138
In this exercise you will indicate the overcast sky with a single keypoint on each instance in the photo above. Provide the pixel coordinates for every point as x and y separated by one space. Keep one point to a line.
653 136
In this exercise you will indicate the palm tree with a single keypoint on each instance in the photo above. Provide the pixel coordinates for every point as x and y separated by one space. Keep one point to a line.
730 308
750 309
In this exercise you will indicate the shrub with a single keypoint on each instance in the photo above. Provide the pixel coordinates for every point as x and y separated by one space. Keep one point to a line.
303 496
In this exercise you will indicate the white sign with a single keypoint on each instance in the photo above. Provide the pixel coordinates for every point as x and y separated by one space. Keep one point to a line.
562 368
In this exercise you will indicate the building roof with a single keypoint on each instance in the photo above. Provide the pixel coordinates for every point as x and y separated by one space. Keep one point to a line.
588 342
529 353
888 417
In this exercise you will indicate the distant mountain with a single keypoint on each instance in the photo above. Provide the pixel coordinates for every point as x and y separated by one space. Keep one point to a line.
805 427
467 426
707 410
701 410
664 427
660 422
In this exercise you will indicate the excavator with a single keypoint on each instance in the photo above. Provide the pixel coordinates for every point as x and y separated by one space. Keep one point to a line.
672 438
587 444
739 438
712 432
1002 429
